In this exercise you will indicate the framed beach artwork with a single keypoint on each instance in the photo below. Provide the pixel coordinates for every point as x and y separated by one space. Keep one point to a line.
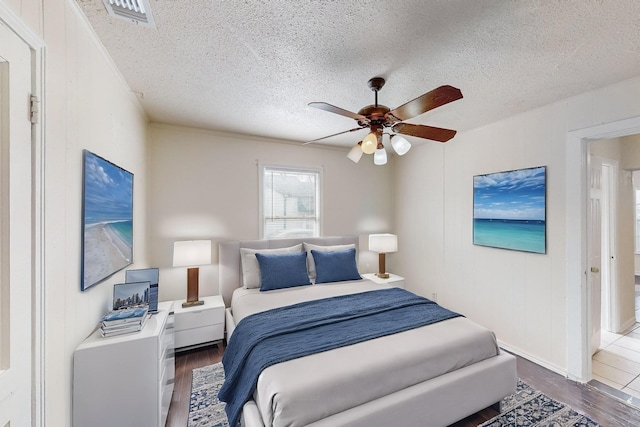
509 210
107 219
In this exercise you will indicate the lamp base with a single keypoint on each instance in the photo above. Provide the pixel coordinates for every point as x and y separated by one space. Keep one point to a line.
381 267
192 303
192 288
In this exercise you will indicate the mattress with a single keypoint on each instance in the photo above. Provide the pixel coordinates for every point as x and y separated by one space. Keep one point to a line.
304 390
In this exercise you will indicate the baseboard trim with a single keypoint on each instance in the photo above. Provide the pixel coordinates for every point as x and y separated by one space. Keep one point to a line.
519 352
626 325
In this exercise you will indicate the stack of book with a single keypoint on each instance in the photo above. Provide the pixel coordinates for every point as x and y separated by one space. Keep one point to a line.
124 321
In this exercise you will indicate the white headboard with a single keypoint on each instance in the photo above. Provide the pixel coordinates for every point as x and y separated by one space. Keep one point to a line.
229 257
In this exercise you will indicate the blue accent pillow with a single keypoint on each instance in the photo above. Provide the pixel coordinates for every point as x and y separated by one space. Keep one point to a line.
279 271
336 266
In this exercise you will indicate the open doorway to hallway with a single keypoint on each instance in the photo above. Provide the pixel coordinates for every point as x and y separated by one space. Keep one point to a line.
616 310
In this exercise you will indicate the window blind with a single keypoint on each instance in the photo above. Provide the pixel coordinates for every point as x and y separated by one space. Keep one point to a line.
290 202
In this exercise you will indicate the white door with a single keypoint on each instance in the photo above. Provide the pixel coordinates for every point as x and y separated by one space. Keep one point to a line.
608 253
595 247
16 228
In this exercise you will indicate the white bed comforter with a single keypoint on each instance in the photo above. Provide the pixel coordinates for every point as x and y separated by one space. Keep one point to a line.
304 390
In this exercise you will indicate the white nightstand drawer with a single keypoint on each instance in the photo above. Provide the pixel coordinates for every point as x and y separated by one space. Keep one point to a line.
195 318
203 334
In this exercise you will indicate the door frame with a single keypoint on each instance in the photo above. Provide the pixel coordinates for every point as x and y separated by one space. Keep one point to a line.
595 233
38 58
578 319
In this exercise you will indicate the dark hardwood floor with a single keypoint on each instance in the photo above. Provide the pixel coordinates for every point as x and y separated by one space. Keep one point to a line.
602 408
185 362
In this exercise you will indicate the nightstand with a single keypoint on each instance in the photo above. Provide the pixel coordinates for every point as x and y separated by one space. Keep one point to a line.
393 280
198 325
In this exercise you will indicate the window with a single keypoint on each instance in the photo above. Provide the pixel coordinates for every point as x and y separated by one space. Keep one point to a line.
290 205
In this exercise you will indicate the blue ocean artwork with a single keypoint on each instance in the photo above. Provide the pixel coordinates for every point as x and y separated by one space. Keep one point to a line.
124 229
108 192
509 210
107 219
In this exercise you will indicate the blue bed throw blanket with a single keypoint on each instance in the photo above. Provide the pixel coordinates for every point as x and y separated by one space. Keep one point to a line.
298 330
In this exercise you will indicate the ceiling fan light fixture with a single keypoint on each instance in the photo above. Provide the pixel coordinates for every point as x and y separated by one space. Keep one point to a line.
370 143
380 156
377 117
400 145
355 153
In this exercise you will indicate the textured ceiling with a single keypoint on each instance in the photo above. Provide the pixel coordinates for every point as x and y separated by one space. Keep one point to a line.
253 66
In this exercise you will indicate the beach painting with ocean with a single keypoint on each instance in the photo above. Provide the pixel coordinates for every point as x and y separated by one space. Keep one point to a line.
107 213
509 210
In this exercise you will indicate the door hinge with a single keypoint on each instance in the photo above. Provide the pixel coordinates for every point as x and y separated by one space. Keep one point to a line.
34 109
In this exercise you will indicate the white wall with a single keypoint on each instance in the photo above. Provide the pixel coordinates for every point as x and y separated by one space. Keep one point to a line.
521 296
205 186
86 105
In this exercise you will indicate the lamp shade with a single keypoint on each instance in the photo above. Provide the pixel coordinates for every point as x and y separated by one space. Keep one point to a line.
400 145
370 142
190 253
355 153
380 156
383 243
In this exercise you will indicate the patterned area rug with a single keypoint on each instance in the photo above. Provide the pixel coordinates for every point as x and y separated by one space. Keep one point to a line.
527 407
205 410
531 408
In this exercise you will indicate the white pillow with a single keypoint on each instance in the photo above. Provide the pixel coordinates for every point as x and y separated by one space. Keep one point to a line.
311 265
251 268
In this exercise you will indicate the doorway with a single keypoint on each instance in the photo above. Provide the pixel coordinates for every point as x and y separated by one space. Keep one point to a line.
16 232
615 334
579 320
21 224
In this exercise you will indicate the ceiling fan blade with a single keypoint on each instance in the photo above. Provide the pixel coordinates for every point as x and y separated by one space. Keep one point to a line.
337 110
427 132
335 134
430 100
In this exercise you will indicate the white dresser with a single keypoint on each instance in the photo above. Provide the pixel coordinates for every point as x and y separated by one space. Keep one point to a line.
126 380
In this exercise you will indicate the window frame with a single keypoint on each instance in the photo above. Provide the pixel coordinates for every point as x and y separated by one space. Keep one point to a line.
262 167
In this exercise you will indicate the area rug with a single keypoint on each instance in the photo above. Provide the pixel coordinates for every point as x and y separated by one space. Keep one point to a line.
205 410
531 408
527 407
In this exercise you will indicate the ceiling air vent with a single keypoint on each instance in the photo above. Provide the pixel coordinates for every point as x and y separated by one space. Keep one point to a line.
136 11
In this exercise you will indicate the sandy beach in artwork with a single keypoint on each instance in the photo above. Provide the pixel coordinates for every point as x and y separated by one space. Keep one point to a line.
105 252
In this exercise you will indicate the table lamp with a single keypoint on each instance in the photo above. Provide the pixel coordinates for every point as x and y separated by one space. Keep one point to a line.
191 254
383 244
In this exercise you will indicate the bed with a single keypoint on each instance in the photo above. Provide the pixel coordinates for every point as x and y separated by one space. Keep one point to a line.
430 375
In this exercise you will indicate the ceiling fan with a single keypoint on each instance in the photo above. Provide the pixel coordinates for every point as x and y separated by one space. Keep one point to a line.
378 117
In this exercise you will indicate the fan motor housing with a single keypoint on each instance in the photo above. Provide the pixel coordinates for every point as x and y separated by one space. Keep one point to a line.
377 114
